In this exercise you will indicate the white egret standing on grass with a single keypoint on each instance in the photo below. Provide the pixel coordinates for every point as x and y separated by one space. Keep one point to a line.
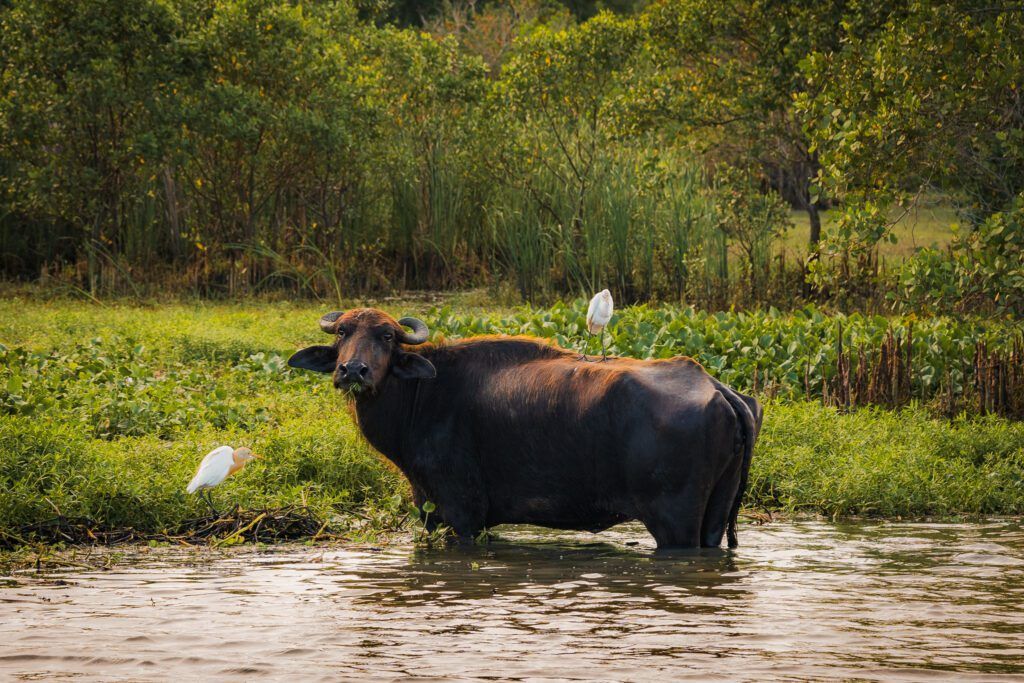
218 465
598 315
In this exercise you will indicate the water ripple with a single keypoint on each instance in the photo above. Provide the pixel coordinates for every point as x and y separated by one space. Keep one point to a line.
804 600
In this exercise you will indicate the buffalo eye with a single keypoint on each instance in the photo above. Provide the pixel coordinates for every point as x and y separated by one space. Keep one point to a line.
341 333
387 336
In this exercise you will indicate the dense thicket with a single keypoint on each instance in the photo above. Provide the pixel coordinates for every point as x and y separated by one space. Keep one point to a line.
226 146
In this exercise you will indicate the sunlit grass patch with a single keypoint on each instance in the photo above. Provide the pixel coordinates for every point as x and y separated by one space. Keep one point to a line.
49 471
926 225
887 463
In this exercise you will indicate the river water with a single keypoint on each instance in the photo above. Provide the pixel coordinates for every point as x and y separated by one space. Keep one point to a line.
803 600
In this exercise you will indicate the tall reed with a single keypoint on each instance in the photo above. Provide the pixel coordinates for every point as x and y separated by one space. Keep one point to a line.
644 230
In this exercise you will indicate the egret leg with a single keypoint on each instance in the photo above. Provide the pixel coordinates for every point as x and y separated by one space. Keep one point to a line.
209 501
583 355
604 356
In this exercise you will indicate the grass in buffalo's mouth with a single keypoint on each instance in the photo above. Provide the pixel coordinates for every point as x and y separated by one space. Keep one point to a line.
105 413
354 390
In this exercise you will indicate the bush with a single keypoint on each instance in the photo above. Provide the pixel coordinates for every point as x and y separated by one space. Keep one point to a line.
982 270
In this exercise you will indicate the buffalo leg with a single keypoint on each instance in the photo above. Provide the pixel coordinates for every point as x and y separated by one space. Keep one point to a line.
466 520
719 507
675 520
456 488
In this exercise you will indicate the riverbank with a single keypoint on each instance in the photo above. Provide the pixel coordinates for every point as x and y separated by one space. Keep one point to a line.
318 477
105 411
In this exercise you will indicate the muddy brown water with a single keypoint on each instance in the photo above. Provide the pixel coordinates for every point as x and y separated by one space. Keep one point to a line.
803 600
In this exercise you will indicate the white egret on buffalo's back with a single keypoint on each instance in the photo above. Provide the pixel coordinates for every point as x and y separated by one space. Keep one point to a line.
598 315
218 465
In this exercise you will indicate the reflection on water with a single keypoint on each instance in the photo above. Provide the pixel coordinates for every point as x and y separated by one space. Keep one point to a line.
801 600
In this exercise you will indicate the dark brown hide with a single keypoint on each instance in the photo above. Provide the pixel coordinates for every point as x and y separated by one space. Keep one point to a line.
516 430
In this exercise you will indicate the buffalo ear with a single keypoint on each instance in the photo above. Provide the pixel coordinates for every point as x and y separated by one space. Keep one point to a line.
413 366
318 358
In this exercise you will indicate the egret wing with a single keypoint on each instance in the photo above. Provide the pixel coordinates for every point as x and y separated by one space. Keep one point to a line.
599 313
604 307
213 469
592 312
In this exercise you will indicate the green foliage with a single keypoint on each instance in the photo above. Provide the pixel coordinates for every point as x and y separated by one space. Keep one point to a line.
845 265
112 429
111 390
647 226
872 462
259 120
794 353
82 98
248 128
932 97
78 439
240 349
433 96
984 269
559 92
237 146
48 467
722 78
750 218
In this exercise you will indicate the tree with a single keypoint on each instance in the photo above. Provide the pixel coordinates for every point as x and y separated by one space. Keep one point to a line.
930 102
934 99
274 127
491 29
86 102
723 75
431 98
750 219
562 88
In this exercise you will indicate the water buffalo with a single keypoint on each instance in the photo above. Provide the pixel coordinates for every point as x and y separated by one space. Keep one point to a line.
500 430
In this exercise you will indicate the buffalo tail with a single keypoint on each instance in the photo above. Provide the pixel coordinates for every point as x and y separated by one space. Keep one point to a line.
750 425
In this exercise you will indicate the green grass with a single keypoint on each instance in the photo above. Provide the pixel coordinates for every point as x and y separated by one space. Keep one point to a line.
49 468
875 462
794 352
927 225
106 410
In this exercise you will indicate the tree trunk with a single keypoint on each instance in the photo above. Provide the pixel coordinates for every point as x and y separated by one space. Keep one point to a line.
173 213
814 217
815 220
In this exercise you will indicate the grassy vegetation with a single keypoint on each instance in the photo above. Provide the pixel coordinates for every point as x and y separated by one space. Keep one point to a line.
195 344
927 224
887 463
105 411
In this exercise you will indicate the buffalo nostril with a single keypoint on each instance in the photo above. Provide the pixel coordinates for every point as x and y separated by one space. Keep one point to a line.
341 369
363 371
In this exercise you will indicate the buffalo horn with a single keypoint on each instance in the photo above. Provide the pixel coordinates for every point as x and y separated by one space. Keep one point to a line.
329 323
419 331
